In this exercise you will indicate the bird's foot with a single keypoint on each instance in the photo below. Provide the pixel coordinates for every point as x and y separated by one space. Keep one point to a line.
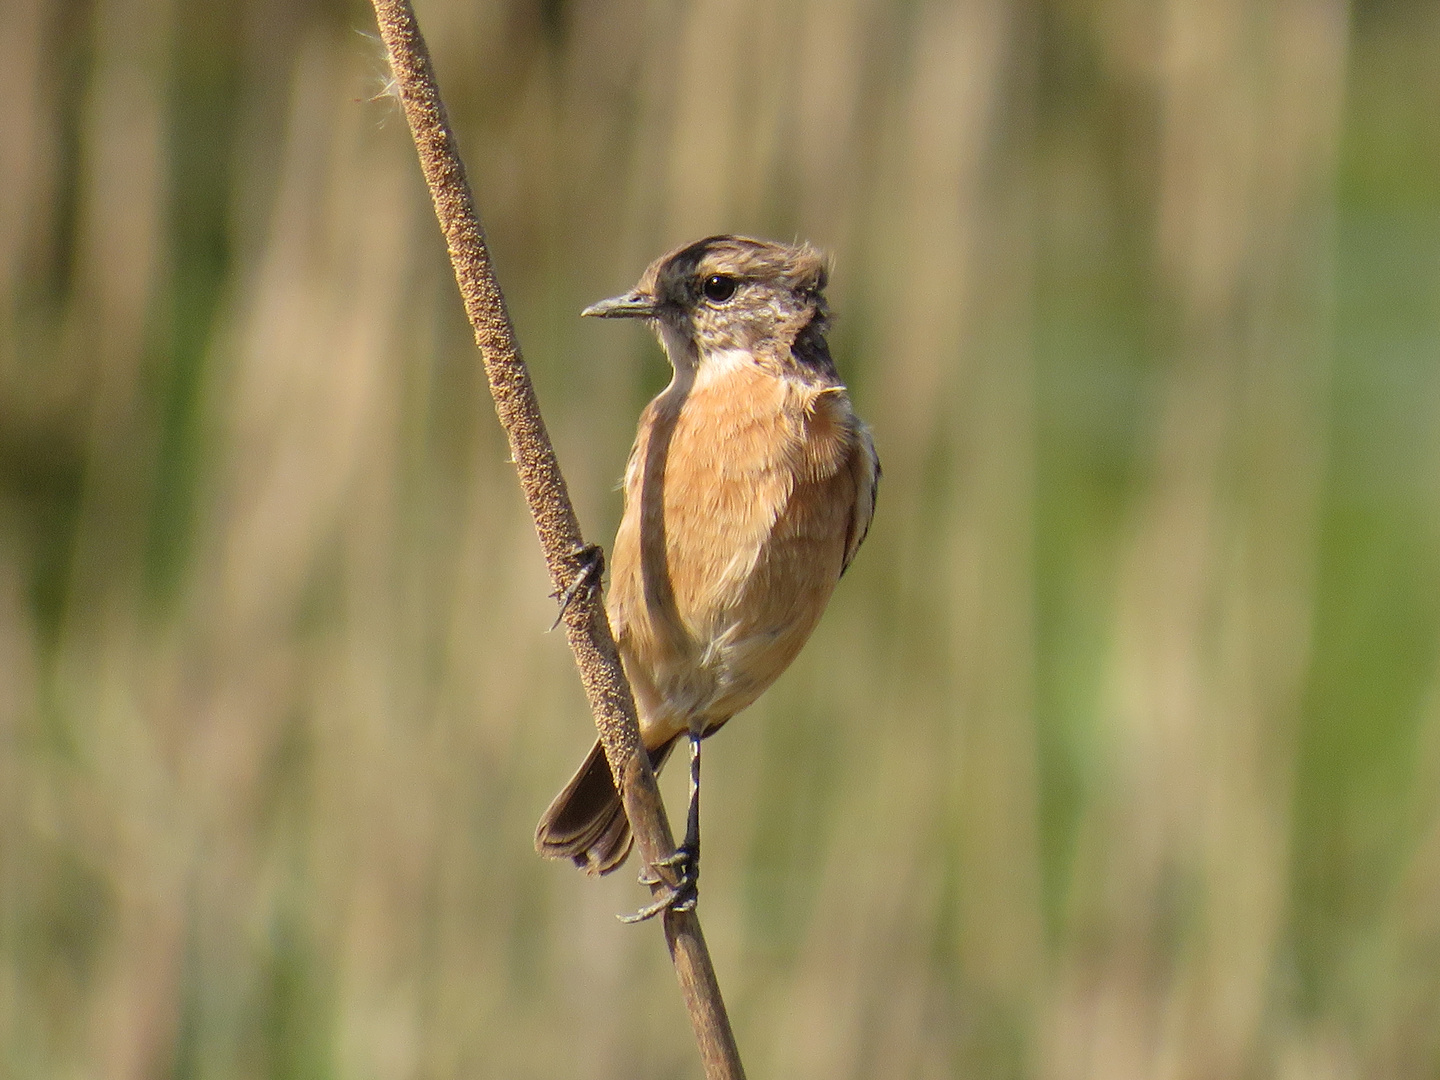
679 894
591 560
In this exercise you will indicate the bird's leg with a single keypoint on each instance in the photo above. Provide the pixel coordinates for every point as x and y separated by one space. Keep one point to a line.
685 862
591 558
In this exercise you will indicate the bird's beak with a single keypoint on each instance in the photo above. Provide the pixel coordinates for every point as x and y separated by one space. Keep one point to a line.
633 305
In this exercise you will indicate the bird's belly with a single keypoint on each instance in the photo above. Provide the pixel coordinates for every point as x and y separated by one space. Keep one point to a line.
748 590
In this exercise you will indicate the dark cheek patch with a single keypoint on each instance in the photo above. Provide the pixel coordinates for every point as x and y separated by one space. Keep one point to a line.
811 349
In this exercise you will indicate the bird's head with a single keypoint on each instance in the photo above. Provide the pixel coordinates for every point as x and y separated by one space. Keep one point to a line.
728 292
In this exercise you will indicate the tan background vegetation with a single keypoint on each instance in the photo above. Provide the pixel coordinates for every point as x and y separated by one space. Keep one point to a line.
1117 753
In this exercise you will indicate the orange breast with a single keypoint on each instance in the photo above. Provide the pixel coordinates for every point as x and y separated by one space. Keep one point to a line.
739 497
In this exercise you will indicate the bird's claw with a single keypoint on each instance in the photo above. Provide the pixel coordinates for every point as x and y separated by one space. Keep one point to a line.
679 895
591 558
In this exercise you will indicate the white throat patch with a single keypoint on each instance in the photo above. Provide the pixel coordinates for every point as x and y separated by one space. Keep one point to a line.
722 362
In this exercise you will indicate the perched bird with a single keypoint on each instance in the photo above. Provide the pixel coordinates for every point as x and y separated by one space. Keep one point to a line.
748 491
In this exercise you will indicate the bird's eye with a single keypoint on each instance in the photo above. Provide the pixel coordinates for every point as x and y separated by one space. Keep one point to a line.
719 288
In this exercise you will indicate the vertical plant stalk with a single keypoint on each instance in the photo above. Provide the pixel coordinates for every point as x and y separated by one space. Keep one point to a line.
586 625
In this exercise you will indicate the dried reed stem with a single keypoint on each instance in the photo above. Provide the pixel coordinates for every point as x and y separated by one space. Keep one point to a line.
586 625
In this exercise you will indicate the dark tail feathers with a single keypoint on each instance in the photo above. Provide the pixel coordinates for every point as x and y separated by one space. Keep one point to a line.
586 822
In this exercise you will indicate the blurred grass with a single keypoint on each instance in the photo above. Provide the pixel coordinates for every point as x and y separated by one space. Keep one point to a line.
1117 752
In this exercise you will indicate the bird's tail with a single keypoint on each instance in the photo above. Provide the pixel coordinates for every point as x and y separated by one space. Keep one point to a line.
586 822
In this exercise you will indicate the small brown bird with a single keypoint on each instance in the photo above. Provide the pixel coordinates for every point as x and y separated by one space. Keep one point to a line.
748 491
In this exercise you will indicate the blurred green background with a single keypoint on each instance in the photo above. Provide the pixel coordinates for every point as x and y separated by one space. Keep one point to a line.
1118 752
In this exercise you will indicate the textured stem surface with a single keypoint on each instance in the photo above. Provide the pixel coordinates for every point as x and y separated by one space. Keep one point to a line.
586 626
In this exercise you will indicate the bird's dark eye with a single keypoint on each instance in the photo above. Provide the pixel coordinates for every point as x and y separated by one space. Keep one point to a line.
719 288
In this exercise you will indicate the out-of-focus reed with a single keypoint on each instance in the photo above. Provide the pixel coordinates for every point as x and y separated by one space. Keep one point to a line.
1116 754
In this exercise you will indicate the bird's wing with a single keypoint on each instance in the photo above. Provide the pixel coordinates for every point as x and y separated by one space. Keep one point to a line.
865 468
